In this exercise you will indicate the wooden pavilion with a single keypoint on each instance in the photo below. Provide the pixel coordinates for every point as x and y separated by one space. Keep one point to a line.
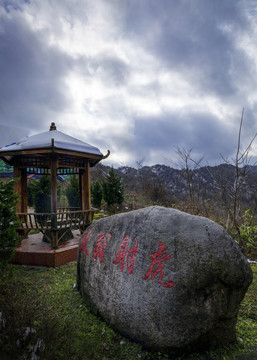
53 153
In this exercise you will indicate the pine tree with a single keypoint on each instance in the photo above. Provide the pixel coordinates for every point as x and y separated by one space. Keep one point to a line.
32 188
97 194
113 190
42 195
8 222
72 192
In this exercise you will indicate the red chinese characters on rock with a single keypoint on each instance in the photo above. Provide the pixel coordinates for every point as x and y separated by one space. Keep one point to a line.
101 246
83 244
124 252
128 254
158 258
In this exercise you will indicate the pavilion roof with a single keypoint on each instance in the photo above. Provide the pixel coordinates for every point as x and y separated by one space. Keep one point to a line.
44 141
33 151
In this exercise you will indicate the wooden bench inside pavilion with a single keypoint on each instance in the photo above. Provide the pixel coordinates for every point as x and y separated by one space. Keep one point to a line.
53 153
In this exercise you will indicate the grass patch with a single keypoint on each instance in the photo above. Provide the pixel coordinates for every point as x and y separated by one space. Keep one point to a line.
42 313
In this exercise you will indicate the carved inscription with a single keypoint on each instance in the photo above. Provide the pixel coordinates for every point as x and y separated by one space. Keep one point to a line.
126 254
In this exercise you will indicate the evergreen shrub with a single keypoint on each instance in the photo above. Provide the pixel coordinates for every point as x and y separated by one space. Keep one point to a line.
8 222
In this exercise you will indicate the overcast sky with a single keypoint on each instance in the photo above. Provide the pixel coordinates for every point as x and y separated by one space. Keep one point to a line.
139 77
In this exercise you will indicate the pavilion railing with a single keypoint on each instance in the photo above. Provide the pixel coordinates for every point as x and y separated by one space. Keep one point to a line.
65 209
78 219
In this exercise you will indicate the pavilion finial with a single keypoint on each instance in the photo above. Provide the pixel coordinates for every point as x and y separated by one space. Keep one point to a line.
52 127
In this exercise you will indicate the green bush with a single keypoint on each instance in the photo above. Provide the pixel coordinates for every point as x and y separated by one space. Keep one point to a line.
248 232
8 222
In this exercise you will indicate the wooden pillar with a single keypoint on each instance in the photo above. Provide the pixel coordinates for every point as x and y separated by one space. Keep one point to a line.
85 191
20 177
24 191
87 188
85 194
80 188
54 230
17 187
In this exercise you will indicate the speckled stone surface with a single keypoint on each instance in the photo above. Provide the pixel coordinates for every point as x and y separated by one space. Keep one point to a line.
164 278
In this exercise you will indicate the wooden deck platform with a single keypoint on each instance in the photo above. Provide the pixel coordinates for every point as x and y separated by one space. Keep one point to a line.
34 251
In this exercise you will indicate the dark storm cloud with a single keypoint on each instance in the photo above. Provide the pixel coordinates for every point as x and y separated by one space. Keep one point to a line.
114 70
12 4
190 36
9 134
111 70
143 76
198 131
31 77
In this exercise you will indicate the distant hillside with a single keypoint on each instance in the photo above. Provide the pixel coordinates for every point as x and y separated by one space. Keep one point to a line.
207 182
161 183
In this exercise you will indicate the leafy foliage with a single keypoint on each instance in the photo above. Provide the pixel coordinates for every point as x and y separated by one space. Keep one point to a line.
8 223
113 189
72 192
4 168
248 232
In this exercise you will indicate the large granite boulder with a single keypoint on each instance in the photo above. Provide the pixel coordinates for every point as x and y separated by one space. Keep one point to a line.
164 278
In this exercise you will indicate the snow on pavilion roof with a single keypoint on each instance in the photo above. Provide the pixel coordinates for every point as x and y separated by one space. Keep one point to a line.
44 141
